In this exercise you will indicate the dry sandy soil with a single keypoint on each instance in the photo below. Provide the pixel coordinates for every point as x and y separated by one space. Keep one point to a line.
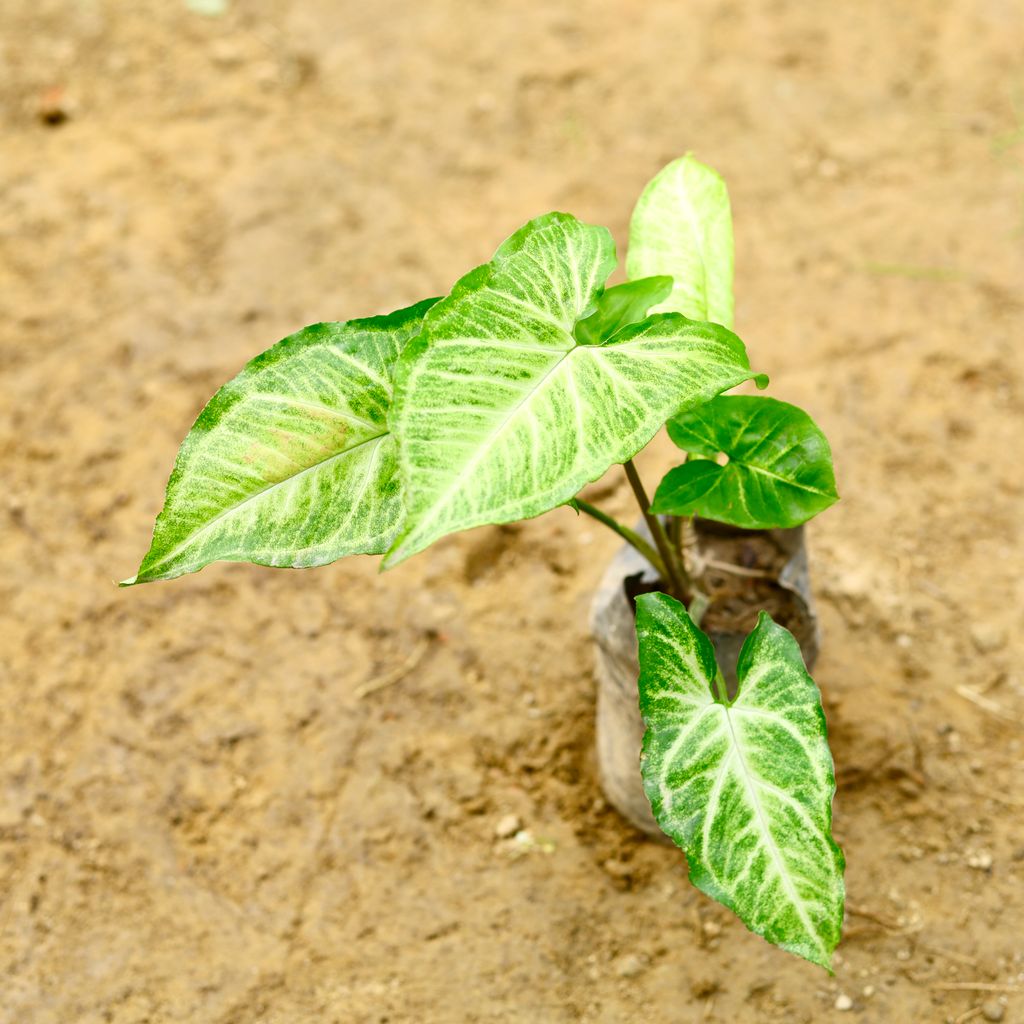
200 818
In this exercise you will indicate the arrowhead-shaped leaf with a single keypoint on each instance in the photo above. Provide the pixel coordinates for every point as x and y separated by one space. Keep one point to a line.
291 463
502 415
745 788
682 227
621 305
779 471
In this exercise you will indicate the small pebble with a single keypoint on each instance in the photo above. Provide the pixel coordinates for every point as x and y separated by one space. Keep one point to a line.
843 1002
992 1009
525 840
629 966
619 869
980 861
987 637
507 826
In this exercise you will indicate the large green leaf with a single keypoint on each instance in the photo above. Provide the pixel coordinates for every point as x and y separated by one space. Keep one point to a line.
745 788
291 463
502 415
682 227
621 305
779 471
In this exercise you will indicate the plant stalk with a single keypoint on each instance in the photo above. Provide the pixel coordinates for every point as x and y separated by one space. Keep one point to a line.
628 535
675 574
721 690
699 604
675 535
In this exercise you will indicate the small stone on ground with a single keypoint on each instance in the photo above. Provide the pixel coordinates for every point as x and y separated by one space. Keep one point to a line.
507 826
629 966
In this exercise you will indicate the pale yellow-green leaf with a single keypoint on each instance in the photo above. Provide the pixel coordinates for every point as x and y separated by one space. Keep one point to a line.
682 227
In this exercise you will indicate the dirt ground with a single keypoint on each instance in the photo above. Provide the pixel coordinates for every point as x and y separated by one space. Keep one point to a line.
201 819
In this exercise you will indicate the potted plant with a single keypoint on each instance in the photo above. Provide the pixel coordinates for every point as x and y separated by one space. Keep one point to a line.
503 400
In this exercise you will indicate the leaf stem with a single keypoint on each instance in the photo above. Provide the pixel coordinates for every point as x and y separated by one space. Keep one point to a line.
628 535
721 693
675 533
675 575
698 605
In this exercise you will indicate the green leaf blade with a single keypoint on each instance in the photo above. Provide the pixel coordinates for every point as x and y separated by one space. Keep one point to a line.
502 415
746 788
292 462
620 306
779 472
682 227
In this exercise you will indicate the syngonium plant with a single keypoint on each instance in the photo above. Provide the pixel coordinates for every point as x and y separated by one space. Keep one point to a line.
502 401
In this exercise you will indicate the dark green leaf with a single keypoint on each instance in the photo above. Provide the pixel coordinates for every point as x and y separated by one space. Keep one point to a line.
779 471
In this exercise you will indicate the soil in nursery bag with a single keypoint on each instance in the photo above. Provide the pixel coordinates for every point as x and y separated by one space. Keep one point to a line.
742 578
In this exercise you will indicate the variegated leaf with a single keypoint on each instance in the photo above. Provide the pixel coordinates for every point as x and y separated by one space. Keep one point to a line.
292 462
744 787
682 227
501 414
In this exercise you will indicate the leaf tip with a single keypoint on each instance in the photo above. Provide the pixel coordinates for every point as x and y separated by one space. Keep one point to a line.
399 551
649 601
822 959
664 283
761 380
